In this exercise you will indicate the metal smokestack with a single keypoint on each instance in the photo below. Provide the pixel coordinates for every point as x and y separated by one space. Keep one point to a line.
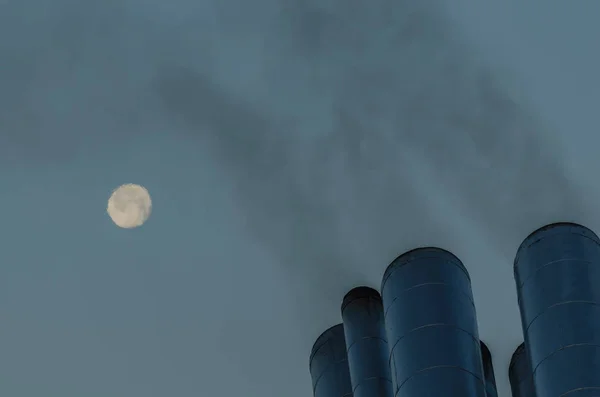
488 371
431 326
328 365
519 374
362 313
557 271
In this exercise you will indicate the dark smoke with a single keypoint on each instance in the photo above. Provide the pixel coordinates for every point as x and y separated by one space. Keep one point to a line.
377 120
353 131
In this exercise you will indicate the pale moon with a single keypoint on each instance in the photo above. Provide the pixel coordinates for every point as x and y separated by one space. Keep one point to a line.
129 206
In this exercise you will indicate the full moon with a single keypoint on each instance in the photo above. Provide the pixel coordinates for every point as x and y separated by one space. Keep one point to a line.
129 206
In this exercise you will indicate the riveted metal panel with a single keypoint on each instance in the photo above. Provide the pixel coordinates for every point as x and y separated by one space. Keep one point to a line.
557 272
431 326
519 374
328 365
488 371
366 341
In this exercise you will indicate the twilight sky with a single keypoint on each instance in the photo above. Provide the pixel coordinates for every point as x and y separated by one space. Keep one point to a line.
292 148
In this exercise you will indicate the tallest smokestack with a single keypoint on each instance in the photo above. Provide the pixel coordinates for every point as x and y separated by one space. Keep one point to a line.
557 271
362 312
431 326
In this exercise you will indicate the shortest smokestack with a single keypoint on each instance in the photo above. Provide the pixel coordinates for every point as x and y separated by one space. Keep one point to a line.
488 371
328 364
520 375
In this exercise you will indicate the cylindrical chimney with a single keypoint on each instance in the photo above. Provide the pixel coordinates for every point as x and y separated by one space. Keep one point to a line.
557 271
488 371
519 374
431 326
329 365
366 342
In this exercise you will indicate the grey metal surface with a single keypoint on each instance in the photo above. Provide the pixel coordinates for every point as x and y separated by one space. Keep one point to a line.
557 271
431 326
519 374
328 365
488 371
366 341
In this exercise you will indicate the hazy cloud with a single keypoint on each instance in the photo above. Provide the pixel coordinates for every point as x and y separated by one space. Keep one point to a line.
387 118
352 131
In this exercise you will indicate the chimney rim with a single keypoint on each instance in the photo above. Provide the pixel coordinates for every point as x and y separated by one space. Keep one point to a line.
361 292
519 352
320 341
540 233
403 260
485 350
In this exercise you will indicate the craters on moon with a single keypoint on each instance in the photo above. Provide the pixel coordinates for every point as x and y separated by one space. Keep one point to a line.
129 206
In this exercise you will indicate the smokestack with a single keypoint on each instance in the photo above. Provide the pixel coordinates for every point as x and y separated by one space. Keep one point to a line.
519 374
557 271
431 326
328 365
488 371
368 351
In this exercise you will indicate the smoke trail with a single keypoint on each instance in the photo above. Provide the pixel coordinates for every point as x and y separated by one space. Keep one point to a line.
351 129
364 123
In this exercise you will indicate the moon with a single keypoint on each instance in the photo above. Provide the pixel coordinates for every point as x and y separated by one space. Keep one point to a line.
129 206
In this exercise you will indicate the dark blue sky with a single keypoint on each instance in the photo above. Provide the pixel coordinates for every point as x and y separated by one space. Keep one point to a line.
292 149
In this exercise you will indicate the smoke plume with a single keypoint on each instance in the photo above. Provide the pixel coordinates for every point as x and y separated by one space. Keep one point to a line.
352 131
356 128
